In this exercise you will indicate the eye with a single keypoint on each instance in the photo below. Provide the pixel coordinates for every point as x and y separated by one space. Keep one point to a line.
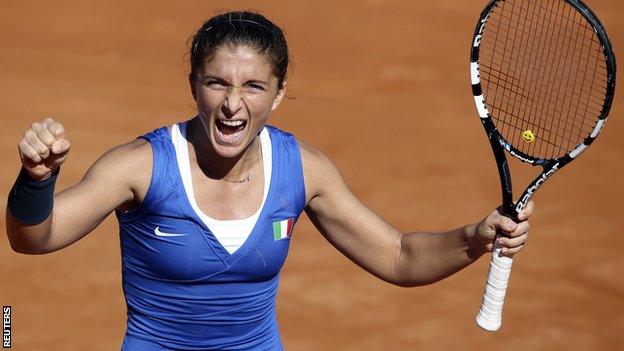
215 84
254 88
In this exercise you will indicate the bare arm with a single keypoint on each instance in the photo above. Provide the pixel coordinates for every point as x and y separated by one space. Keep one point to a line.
428 257
111 182
405 259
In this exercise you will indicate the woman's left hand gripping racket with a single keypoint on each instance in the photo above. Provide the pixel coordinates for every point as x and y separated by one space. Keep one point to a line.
543 78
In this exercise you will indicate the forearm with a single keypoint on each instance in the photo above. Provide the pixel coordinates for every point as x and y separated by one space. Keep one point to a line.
28 239
29 211
73 212
73 216
425 258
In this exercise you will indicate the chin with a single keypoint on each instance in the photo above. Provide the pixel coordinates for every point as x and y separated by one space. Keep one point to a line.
228 151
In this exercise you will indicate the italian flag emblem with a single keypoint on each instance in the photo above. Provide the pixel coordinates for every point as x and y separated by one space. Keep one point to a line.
282 229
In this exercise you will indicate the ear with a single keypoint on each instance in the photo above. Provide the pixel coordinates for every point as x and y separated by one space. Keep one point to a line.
278 98
192 85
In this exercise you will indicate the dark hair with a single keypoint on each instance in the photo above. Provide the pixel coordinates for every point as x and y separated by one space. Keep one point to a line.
236 29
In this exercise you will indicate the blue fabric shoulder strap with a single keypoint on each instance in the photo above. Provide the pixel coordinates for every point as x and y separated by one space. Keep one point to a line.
163 162
288 156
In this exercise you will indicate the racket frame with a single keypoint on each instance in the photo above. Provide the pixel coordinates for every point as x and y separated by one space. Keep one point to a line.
490 314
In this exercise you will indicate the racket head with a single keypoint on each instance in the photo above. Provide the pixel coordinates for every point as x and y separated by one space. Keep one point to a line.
543 77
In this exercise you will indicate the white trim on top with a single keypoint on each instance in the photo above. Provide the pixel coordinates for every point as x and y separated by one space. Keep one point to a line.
232 233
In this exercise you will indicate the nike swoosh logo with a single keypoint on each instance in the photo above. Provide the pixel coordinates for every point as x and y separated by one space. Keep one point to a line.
159 233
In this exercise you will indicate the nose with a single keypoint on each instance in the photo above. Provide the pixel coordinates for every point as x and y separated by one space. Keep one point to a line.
233 100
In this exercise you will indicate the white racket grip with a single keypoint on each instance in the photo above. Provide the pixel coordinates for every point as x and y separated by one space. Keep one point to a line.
491 310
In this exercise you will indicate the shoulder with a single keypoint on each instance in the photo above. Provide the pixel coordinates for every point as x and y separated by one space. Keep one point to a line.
133 153
313 156
124 172
320 172
128 163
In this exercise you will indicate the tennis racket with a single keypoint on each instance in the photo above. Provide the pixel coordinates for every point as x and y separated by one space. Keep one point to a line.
543 78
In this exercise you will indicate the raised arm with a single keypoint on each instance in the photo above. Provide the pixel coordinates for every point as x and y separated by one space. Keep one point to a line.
405 259
116 180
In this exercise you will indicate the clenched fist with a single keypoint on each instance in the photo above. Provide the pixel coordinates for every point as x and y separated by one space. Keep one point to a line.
513 235
43 148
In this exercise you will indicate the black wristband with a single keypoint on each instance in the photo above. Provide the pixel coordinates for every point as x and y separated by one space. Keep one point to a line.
30 201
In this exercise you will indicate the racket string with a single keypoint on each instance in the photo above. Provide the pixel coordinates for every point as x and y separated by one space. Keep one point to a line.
544 38
542 70
566 43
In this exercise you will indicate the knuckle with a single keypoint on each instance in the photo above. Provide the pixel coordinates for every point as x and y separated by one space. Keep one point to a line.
22 144
29 134
31 154
47 138
43 151
35 126
43 130
43 134
57 129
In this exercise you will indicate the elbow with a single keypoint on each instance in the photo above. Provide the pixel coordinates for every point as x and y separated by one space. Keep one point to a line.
22 246
21 250
403 274
410 271
18 248
402 283
25 241
411 283
408 284
27 250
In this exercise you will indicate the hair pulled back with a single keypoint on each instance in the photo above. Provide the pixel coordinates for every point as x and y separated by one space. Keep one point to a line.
240 29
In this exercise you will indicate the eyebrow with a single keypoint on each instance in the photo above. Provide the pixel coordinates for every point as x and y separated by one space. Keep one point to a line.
209 76
251 81
256 81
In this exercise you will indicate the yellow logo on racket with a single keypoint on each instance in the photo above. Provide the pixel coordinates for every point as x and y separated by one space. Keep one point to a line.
528 136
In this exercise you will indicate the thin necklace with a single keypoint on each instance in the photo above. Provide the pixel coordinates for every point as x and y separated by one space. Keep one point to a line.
244 180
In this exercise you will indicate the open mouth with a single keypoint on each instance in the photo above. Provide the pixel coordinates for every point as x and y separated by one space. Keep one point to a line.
230 130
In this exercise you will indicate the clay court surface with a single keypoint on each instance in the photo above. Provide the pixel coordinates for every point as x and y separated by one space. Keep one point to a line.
383 88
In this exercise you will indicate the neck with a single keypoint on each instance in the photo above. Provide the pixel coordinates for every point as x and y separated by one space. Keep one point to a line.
236 169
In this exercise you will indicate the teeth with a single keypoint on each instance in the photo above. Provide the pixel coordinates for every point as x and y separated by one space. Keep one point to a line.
232 123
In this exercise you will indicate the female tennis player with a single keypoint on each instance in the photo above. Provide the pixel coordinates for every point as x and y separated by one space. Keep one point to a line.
206 206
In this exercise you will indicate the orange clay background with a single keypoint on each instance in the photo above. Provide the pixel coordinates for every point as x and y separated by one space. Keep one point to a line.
383 88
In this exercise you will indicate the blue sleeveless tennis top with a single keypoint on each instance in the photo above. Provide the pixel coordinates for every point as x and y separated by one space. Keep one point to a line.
183 290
